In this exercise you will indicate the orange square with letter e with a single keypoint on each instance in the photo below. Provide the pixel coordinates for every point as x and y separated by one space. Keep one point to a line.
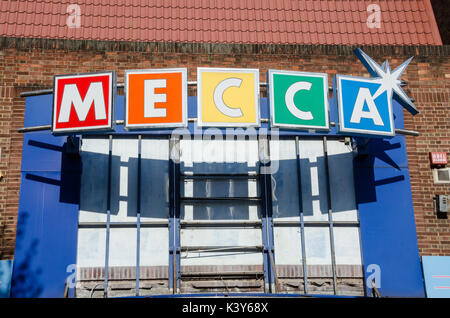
156 98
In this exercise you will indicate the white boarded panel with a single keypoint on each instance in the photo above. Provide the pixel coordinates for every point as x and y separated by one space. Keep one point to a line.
288 245
124 180
317 241
219 187
91 247
285 195
218 156
155 179
221 237
220 211
221 258
122 247
347 246
313 180
94 180
342 188
154 247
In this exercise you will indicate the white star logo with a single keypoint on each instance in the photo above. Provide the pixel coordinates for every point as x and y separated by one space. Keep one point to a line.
390 82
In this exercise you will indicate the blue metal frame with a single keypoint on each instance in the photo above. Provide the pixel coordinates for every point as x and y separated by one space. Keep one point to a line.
48 228
247 295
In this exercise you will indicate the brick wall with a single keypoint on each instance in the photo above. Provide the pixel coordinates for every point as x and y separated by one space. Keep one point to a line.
29 64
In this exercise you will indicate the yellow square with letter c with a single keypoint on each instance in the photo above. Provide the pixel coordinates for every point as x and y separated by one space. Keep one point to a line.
227 97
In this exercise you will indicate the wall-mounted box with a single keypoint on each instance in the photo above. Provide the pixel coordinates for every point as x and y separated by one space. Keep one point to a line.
438 158
442 203
441 176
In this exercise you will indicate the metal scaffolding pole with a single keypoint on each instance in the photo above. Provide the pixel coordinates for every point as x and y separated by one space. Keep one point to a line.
330 214
138 215
108 218
302 223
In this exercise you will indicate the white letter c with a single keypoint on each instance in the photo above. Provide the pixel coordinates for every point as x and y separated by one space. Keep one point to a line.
289 99
218 97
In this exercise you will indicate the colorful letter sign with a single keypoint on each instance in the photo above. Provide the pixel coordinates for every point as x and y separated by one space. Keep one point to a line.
364 107
156 98
228 97
82 102
298 99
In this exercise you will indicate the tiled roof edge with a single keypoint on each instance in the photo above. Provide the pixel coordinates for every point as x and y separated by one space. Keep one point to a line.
216 48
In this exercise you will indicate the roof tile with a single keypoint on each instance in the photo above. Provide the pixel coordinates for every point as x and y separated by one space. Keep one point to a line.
225 21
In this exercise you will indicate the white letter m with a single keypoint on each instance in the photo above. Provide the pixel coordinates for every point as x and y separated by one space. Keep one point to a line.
71 95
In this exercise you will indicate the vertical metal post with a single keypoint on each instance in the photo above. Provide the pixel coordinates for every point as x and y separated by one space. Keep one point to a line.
138 215
177 213
171 220
174 215
330 213
108 218
262 187
271 282
302 222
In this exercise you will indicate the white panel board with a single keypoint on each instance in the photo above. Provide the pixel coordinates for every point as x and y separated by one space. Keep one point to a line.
340 163
94 180
347 246
318 251
285 195
122 247
155 179
288 245
154 247
91 247
313 180
124 180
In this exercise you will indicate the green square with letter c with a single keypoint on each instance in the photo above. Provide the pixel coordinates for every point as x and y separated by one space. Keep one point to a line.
298 100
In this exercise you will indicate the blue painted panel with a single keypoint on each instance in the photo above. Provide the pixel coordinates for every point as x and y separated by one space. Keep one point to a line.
5 278
42 151
46 238
436 271
388 230
38 110
48 210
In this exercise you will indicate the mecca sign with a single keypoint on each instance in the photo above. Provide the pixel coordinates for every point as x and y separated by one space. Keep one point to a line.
230 97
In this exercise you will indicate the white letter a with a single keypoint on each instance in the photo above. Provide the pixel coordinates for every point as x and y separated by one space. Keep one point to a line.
364 96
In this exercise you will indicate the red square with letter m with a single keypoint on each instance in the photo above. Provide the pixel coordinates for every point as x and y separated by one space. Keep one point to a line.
82 102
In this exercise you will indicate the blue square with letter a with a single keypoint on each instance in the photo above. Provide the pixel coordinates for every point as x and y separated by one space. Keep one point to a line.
365 106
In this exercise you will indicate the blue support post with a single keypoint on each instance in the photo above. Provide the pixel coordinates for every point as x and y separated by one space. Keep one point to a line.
108 218
302 222
330 214
174 215
266 218
138 220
